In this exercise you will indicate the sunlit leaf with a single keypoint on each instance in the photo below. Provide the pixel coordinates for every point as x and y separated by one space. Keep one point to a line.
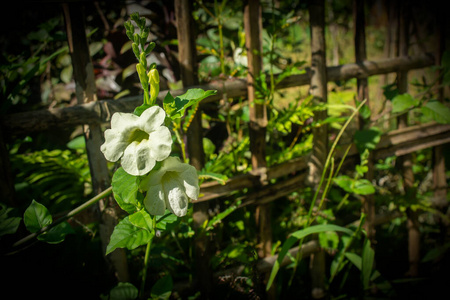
437 111
36 217
126 190
297 236
126 235
403 102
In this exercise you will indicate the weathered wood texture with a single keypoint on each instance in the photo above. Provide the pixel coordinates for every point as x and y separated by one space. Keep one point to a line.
101 111
397 142
362 88
187 58
86 92
258 116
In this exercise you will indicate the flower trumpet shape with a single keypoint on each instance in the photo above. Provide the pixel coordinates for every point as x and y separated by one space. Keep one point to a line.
170 187
139 141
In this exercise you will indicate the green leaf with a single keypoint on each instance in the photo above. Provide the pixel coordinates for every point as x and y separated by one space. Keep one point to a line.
367 139
437 111
354 259
345 183
167 221
162 289
126 190
368 256
36 217
124 291
363 187
175 107
77 143
8 225
56 234
219 217
126 235
140 109
297 236
329 239
142 219
222 179
403 102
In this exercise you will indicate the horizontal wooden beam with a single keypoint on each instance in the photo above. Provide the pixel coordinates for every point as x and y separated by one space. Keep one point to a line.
101 111
398 142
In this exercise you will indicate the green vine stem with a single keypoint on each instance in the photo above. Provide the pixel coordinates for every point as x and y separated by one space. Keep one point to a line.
69 215
146 259
329 160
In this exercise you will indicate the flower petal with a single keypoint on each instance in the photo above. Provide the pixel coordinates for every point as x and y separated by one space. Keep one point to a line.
122 121
174 164
114 145
190 181
161 143
152 118
152 178
136 158
154 200
176 198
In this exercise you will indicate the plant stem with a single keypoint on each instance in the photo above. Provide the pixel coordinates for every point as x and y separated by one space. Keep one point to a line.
69 215
146 258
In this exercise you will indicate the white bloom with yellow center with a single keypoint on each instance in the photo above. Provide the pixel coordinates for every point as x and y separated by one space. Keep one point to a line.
170 187
139 141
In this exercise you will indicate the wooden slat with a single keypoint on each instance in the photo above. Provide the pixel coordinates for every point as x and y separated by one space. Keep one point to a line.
101 111
397 142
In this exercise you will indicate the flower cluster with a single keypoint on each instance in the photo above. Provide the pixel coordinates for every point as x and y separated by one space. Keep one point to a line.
141 141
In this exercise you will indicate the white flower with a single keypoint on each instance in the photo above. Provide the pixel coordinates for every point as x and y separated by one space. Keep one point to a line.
139 141
170 187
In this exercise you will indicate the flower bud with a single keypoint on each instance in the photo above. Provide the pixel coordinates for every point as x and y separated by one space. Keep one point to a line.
153 80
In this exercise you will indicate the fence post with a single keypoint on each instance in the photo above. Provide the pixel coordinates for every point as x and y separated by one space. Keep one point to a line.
316 164
439 178
405 162
363 93
188 71
83 73
258 121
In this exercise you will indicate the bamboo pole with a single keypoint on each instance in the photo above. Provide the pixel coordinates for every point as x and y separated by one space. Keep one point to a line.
368 201
188 73
83 73
316 164
258 113
258 123
406 162
439 178
99 112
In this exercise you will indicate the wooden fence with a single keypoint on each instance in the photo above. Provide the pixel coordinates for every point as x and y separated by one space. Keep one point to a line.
291 175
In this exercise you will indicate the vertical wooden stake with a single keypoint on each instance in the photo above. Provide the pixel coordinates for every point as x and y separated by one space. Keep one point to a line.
405 162
439 178
318 90
83 73
187 57
258 121
363 93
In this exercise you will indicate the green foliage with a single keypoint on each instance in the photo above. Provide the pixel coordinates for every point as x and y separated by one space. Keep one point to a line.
162 289
436 111
126 190
123 291
128 235
299 235
8 224
57 178
176 107
37 217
